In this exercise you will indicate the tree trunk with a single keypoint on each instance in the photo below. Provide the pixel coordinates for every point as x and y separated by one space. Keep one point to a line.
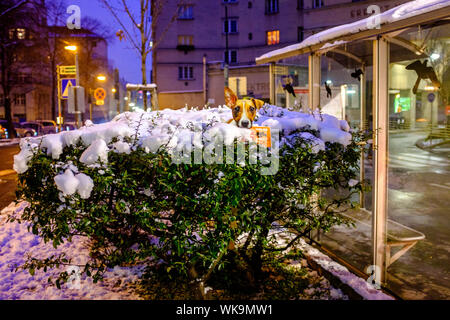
9 125
143 52
144 80
257 252
54 90
6 94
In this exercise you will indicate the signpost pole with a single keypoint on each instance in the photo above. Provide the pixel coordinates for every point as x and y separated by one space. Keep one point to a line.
58 119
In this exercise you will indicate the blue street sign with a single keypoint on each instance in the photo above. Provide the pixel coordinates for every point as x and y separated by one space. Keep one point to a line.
65 84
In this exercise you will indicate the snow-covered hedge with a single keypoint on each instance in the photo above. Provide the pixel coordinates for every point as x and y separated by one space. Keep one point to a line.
119 184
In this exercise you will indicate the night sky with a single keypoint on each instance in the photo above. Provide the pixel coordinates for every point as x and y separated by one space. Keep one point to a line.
120 54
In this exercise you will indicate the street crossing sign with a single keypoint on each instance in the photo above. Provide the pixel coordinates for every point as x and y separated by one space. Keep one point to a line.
67 70
65 85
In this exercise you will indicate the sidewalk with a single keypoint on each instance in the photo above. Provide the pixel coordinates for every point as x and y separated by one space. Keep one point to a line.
9 142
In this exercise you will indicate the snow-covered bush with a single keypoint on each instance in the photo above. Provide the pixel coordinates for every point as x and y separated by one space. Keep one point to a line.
118 184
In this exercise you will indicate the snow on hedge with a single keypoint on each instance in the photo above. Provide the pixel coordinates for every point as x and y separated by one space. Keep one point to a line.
171 129
16 242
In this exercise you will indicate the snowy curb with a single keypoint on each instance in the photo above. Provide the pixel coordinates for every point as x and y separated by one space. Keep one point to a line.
9 142
352 285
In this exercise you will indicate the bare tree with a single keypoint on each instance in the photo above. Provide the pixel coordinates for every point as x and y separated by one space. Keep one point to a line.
17 49
142 36
54 11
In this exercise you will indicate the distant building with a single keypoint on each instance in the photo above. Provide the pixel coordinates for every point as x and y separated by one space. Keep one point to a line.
254 27
33 76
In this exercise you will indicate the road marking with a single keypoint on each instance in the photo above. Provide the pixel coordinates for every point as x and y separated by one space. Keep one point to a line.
425 157
6 172
439 185
405 164
418 161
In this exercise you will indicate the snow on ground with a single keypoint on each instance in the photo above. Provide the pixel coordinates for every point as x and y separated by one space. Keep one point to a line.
16 242
361 286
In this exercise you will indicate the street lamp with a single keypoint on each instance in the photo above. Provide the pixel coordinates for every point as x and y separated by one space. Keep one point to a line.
101 78
74 49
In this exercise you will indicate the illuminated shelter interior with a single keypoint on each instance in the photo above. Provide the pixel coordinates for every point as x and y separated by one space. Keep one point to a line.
391 72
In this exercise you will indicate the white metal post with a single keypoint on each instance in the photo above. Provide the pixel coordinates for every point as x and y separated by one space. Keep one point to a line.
314 81
381 126
272 83
77 75
362 126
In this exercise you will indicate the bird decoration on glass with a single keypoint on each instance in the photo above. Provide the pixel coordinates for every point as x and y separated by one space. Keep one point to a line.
327 87
357 74
120 34
288 87
423 72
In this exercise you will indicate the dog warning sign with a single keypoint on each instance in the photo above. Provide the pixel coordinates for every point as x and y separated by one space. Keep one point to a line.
261 135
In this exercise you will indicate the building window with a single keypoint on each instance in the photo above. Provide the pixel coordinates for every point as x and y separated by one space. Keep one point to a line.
21 33
273 37
271 6
186 12
250 36
230 26
229 1
185 40
232 56
300 34
250 4
185 73
19 99
300 4
23 78
317 3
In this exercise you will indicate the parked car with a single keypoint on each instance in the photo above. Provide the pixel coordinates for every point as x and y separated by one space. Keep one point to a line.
36 126
69 126
2 132
49 126
21 131
24 131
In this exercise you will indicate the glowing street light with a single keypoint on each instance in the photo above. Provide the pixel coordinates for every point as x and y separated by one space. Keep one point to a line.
113 90
71 48
101 78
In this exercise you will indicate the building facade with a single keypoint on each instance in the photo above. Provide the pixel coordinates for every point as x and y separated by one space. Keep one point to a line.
188 60
33 51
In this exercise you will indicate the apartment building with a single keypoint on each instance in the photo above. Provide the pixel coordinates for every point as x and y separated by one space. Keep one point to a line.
188 63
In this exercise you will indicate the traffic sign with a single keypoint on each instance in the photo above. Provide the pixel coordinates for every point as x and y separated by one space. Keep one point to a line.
100 102
65 85
100 94
67 69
